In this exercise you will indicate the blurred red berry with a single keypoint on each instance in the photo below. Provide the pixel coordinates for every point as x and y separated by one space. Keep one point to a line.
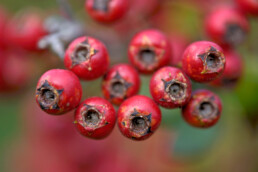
107 11
138 117
3 21
248 6
121 82
226 26
203 61
15 70
233 70
25 30
170 87
58 91
203 110
135 18
39 124
178 46
87 58
149 50
145 8
112 161
34 154
95 118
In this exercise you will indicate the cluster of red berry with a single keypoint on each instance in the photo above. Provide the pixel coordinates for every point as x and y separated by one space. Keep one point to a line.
150 52
59 91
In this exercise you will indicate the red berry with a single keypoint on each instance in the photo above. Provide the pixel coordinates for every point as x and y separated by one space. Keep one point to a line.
226 26
170 87
203 61
87 58
95 118
203 110
106 11
3 21
25 30
58 91
149 50
138 117
248 6
233 70
121 82
15 70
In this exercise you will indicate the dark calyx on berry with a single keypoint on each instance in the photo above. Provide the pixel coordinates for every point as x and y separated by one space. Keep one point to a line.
101 5
212 60
140 124
118 88
175 89
207 110
92 117
48 96
234 34
81 53
147 56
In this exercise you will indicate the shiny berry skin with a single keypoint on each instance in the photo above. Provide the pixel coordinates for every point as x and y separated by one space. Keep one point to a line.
138 117
106 11
226 26
170 87
95 118
203 61
87 58
120 82
233 70
149 50
248 6
203 110
58 91
25 31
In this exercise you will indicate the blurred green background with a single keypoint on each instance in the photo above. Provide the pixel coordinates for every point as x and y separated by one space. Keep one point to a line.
232 145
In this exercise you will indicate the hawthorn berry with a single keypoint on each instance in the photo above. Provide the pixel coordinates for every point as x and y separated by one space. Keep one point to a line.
58 91
87 58
248 6
95 118
233 70
203 61
149 50
106 11
25 30
226 26
138 117
170 87
120 82
203 110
